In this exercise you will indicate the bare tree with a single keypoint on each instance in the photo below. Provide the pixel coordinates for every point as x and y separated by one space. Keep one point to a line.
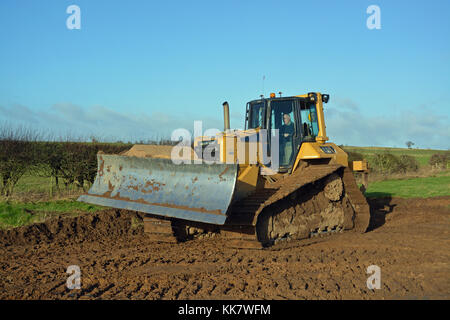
17 155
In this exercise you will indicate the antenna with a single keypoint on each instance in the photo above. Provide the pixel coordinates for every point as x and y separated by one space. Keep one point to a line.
263 79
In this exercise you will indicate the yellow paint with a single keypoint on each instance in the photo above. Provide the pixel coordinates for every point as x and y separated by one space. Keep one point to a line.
248 175
232 150
360 165
322 134
312 151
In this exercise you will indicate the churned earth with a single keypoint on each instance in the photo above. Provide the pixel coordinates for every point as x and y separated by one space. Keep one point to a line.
409 239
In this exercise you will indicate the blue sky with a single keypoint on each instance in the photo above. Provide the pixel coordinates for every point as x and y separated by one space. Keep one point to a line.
139 69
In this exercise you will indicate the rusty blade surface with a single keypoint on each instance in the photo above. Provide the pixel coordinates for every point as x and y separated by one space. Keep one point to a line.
197 192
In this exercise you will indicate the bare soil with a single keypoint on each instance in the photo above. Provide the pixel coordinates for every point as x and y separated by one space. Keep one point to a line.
409 239
159 151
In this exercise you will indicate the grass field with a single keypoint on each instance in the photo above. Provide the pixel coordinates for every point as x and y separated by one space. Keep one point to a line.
426 187
421 155
34 183
45 186
14 214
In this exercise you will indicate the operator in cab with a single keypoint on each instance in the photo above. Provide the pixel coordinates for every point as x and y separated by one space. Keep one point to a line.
286 133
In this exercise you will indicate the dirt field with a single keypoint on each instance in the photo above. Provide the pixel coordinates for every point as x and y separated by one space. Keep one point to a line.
409 240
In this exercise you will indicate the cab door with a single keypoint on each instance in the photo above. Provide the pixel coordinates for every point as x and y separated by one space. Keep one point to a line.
283 122
298 137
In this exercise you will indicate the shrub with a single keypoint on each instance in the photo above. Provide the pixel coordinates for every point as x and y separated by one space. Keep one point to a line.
440 160
17 156
76 162
408 164
385 163
73 163
354 156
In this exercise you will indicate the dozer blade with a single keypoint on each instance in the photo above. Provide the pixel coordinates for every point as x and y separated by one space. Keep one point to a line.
196 192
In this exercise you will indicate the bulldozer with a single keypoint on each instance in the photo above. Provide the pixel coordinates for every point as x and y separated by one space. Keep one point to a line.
278 179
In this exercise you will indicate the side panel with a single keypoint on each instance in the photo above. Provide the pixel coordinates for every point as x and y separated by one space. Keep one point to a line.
315 151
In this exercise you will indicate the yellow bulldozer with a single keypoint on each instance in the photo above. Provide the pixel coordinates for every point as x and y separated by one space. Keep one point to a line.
278 179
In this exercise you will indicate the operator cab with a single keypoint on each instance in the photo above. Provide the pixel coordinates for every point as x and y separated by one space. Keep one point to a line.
292 119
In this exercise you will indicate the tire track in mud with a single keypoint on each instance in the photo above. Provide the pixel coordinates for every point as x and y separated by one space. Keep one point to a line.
409 241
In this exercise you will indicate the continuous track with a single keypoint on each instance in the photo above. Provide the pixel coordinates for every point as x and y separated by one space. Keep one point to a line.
314 201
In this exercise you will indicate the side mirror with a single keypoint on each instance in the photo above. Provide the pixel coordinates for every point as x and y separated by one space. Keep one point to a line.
325 98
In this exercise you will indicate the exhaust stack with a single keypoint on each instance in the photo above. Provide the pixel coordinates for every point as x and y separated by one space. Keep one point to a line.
226 116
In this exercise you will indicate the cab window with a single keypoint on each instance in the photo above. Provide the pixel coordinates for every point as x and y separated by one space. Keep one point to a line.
309 122
257 115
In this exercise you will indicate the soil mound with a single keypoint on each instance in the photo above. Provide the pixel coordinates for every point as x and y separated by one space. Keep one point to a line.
86 227
157 151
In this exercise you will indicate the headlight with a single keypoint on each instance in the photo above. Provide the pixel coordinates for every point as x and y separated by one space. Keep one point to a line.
328 149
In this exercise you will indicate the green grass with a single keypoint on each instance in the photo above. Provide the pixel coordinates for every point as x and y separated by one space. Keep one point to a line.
421 155
410 188
15 214
30 182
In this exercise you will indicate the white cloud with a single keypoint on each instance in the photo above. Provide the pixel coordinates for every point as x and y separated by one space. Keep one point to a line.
346 124
66 119
350 126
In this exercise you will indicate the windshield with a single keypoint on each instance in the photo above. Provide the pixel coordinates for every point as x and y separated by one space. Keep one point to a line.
310 126
257 115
